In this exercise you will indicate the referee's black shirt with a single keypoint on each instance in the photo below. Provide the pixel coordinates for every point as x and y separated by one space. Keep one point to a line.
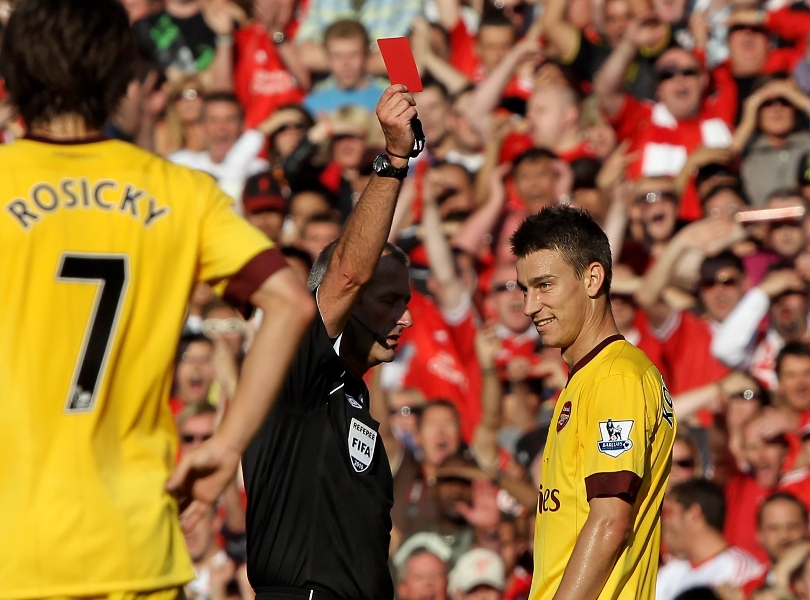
319 485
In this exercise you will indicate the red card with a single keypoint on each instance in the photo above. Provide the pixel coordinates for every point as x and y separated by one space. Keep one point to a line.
399 62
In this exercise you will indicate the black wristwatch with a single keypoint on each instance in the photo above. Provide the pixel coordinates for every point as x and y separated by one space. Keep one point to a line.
383 168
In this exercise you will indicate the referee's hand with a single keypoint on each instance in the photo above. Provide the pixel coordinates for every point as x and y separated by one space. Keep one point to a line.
395 110
201 476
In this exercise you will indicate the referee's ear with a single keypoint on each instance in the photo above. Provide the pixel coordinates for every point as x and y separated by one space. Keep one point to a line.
594 279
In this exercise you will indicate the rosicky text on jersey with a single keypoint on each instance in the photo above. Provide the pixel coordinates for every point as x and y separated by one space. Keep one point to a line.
73 194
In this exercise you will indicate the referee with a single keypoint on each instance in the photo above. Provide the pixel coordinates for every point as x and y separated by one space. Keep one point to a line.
318 482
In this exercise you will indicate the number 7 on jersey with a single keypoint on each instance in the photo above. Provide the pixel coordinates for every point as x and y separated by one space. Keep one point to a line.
110 272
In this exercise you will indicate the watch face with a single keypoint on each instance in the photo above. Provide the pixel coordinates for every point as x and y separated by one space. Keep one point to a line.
381 163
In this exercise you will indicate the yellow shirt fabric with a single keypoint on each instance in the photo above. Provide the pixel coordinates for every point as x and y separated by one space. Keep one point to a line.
100 246
611 436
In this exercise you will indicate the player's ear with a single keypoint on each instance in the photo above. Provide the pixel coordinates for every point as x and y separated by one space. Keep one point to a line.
594 279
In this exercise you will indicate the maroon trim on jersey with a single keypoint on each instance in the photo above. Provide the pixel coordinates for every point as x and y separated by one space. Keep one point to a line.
250 278
619 484
592 354
99 137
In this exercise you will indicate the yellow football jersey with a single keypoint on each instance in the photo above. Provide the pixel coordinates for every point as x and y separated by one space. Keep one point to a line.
611 435
100 246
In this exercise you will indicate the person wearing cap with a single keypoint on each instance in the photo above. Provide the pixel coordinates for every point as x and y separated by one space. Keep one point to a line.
264 204
478 575
686 337
421 564
739 343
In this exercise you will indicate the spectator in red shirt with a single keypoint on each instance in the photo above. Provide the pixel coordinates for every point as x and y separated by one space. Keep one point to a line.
686 337
267 71
682 120
746 491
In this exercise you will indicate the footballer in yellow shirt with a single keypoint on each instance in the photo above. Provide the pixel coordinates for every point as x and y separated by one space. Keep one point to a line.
100 246
607 460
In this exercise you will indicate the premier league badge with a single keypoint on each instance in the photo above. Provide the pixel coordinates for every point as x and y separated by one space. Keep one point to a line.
361 445
615 436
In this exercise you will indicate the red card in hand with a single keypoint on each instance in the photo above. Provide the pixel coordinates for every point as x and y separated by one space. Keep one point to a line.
399 62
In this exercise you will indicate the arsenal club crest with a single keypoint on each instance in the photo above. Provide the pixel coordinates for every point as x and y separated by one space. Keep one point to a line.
361 445
565 415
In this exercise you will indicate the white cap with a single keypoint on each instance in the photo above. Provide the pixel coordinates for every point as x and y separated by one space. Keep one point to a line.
477 567
431 542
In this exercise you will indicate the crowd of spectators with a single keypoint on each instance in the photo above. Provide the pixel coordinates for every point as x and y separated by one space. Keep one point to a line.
681 126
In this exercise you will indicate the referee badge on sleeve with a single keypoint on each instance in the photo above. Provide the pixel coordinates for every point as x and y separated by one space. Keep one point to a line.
615 437
361 445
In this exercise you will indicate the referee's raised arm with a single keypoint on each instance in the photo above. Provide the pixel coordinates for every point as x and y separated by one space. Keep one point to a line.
360 246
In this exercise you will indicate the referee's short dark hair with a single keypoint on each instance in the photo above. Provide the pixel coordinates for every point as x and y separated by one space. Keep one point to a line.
571 232
707 495
68 57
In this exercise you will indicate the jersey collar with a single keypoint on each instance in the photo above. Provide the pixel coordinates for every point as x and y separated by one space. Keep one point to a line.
592 354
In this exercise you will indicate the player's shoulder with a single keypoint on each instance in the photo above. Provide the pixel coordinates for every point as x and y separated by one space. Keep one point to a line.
621 358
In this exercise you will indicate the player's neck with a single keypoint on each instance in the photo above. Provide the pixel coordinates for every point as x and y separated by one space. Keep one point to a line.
64 127
596 329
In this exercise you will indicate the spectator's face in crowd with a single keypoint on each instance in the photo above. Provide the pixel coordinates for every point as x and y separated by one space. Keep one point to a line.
201 537
592 200
304 206
789 314
195 373
346 58
782 524
624 311
681 82
287 137
764 456
748 50
777 117
535 183
450 492
383 308
507 300
188 103
466 137
223 323
579 14
787 237
552 113
670 11
794 381
195 430
347 150
722 205
722 293
617 18
425 578
434 113
742 406
269 222
494 42
502 250
222 124
659 211
438 435
454 190
601 136
317 235
557 303
675 526
403 406
684 463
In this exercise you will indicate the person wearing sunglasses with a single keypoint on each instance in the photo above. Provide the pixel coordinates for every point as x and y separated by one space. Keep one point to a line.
741 344
686 459
683 118
771 120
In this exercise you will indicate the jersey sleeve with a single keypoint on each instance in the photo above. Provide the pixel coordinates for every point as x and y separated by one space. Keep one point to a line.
614 438
232 252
